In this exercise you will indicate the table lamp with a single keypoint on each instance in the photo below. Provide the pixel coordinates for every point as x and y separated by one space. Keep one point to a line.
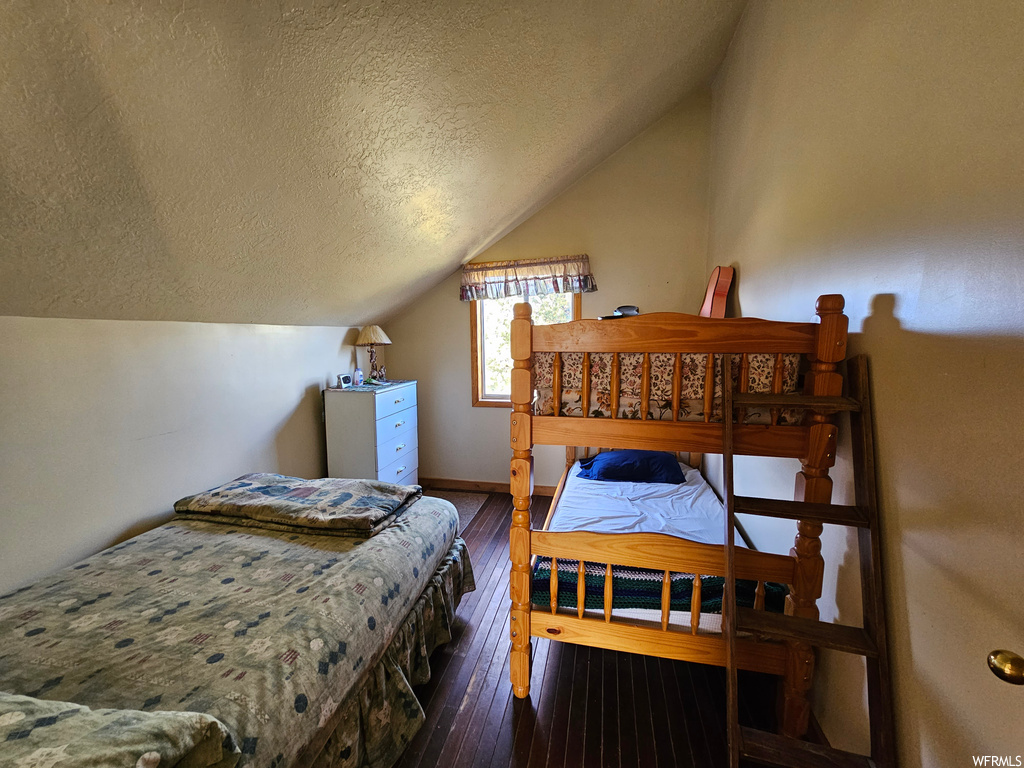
370 336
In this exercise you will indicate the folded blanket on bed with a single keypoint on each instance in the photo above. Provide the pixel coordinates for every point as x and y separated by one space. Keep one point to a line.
329 505
47 733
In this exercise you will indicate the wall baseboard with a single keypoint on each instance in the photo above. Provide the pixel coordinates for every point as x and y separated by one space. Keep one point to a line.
480 486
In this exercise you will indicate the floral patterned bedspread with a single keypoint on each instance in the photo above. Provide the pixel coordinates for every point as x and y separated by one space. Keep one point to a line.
265 630
41 734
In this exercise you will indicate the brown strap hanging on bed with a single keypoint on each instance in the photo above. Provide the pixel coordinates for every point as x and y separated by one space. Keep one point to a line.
717 294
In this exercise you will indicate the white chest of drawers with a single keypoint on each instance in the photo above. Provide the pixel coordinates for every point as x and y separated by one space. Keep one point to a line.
371 432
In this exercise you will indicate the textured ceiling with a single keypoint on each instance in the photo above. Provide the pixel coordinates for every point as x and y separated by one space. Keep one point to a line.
307 162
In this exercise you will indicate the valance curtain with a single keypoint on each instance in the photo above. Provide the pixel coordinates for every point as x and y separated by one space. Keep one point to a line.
527 277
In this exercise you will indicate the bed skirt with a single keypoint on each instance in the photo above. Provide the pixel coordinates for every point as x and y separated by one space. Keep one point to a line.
377 720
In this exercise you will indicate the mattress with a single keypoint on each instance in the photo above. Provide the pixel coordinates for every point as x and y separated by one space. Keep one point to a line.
690 510
281 636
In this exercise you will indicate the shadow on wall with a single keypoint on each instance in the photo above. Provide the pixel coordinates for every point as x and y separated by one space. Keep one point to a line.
301 434
949 468
951 497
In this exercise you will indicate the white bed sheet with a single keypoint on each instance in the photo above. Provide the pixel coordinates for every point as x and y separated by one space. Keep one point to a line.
690 510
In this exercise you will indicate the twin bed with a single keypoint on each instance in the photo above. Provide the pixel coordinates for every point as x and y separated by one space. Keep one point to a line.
634 577
274 622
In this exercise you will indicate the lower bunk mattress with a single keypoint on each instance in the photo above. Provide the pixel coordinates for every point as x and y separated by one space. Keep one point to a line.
303 645
690 510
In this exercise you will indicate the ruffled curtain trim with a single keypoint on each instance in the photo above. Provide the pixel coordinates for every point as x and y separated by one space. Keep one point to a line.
527 277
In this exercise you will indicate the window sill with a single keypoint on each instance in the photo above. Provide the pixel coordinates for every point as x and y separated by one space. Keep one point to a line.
490 403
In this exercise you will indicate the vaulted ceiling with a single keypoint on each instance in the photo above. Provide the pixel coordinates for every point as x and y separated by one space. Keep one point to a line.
313 161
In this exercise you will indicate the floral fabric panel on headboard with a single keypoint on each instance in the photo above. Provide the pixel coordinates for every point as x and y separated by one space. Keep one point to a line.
760 377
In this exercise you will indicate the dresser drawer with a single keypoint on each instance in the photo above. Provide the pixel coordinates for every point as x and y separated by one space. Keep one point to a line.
413 478
396 448
394 400
403 467
396 424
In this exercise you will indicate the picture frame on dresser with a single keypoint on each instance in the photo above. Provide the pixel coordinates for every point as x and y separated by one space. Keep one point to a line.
372 432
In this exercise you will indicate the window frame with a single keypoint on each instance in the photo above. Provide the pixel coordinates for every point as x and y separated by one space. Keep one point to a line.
476 356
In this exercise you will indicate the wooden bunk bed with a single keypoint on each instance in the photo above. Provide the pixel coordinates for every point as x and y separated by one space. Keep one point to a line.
674 404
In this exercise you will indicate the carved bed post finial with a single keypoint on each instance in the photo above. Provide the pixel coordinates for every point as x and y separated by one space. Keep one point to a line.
813 484
521 486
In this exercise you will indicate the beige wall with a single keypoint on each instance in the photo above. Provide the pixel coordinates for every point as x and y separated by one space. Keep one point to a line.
306 162
105 423
641 216
874 149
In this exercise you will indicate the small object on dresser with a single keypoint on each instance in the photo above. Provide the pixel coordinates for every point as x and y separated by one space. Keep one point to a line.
344 380
357 377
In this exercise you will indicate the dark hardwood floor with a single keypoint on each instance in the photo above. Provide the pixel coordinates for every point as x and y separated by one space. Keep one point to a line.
587 707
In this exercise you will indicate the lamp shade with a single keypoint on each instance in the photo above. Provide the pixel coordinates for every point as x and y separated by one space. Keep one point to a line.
370 335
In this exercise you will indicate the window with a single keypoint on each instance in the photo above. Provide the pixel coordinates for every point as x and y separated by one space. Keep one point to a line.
490 321
552 286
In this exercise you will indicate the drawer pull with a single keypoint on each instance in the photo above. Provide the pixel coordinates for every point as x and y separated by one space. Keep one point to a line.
400 470
399 424
399 400
399 447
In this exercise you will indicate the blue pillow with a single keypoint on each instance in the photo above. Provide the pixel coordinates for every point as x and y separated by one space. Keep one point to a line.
633 467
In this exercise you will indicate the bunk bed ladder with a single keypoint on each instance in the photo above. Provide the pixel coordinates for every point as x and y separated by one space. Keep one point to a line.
870 641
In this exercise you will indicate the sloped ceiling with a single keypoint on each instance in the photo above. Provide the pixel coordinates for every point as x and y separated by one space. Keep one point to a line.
307 162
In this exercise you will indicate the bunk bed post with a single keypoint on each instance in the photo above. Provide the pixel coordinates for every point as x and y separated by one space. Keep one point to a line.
521 486
812 484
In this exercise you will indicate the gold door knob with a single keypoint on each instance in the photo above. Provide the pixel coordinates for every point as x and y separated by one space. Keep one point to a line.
1008 666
